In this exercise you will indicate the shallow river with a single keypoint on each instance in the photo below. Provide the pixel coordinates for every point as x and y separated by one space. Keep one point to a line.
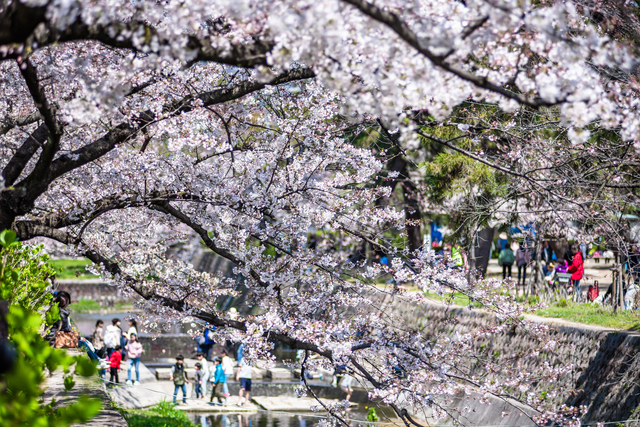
271 419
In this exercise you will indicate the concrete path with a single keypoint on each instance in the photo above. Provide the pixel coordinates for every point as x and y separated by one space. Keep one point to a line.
92 387
148 394
592 271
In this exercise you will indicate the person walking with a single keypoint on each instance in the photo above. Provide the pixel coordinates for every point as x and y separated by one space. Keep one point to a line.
522 261
133 329
577 268
219 380
506 259
244 376
346 386
134 351
227 366
206 372
179 378
114 364
97 339
198 381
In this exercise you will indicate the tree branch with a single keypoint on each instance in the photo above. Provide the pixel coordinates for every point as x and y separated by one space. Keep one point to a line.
21 24
10 123
398 26
21 157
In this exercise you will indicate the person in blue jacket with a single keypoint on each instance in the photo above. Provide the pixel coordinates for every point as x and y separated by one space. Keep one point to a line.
219 379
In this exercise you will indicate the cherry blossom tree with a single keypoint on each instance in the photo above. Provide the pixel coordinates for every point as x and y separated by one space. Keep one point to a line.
136 132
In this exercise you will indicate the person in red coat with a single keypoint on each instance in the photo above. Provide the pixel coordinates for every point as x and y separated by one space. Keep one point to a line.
576 267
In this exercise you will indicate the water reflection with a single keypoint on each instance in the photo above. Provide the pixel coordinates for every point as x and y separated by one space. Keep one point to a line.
269 419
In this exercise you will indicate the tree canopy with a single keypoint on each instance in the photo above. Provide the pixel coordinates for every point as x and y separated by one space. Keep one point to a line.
136 132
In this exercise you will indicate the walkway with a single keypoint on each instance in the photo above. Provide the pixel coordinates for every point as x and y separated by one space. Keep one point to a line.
89 386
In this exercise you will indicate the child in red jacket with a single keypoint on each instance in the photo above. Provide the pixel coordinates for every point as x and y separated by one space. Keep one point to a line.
114 363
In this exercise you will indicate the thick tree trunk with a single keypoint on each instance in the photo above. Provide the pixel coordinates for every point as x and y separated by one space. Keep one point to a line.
413 217
482 249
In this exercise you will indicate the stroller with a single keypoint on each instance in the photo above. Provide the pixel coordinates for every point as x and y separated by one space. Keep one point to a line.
561 281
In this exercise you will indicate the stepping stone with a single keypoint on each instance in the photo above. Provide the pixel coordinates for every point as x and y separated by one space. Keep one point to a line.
279 374
292 404
203 405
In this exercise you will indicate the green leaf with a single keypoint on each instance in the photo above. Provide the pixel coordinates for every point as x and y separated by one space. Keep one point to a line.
7 237
81 411
53 315
85 367
69 382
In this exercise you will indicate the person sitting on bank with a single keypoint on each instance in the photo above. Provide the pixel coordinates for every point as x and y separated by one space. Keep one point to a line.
63 324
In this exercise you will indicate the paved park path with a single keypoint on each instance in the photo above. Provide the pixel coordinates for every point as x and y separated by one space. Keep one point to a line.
92 387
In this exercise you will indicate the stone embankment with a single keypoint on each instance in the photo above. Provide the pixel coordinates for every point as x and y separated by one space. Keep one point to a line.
605 366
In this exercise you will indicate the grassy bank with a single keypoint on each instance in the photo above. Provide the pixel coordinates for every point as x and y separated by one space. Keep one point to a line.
162 415
72 268
87 306
593 314
587 313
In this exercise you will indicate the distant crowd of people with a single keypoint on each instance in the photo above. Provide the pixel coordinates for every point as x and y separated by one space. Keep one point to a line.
114 345
521 254
111 346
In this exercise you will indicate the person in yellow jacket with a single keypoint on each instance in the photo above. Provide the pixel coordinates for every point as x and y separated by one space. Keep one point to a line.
456 257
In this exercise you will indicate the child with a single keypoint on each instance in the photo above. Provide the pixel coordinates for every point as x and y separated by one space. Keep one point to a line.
345 385
219 380
114 363
134 351
205 372
244 376
199 380
179 378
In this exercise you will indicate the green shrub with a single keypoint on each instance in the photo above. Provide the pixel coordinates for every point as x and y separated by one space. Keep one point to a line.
23 282
163 414
84 306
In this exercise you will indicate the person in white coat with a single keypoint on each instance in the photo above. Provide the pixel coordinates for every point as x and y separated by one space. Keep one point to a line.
112 336
206 372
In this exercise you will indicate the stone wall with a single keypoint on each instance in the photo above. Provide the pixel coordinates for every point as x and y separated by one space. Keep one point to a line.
93 289
606 368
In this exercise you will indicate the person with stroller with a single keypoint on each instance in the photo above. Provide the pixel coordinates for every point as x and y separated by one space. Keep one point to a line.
576 268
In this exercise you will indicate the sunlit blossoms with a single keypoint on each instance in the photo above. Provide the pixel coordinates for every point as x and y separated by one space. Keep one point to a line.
138 133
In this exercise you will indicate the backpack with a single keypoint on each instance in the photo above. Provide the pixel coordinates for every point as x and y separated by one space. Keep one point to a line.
178 374
506 257
521 257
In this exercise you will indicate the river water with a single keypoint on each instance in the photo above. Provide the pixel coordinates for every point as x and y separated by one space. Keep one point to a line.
280 419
